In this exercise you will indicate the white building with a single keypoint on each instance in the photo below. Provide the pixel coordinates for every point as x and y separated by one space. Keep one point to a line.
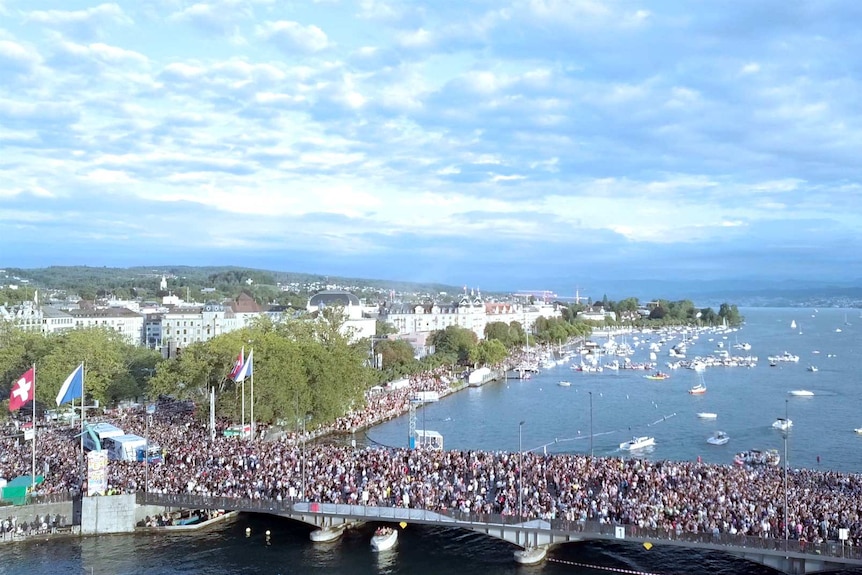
471 312
33 317
121 320
357 323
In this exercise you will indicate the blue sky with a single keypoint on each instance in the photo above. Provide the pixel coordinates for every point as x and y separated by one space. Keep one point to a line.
511 144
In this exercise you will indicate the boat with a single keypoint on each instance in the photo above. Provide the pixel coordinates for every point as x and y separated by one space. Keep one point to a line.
565 384
758 457
812 368
657 375
718 438
637 443
531 555
782 424
697 389
802 393
384 539
786 356
793 324
707 415
858 430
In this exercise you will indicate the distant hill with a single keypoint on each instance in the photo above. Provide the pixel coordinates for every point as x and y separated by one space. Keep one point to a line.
77 277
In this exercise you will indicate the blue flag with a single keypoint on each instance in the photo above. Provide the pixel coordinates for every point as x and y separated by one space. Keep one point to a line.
73 387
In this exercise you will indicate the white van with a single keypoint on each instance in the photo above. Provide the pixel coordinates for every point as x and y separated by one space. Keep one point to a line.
95 435
124 447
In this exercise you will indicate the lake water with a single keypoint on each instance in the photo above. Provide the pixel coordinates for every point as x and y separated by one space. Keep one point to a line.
747 401
624 403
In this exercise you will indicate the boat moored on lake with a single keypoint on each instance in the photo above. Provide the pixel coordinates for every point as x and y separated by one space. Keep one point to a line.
384 539
755 457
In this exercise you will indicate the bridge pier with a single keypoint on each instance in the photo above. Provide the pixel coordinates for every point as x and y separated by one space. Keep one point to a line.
793 564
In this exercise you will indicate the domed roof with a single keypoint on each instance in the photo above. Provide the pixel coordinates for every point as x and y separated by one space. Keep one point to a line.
333 298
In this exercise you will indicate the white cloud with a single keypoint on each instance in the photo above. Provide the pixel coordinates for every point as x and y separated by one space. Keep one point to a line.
81 23
293 36
750 68
420 38
16 57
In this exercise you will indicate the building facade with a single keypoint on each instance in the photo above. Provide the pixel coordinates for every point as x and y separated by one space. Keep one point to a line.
470 312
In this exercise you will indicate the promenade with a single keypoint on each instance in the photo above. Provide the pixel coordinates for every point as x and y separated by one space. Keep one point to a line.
677 498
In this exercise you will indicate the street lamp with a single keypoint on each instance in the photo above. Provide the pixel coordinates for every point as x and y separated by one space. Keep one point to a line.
591 423
520 473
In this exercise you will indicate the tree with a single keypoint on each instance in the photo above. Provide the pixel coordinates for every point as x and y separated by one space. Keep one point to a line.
454 341
398 355
384 328
488 352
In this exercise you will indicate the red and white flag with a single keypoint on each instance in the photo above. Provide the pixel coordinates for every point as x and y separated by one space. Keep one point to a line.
237 366
23 390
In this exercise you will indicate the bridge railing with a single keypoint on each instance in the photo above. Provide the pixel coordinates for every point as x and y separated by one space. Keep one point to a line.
588 529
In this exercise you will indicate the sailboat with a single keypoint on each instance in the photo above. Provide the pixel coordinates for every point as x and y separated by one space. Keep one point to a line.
793 324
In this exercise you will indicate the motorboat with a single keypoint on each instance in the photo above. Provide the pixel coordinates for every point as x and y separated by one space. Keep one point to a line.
565 384
858 430
384 539
657 375
812 368
718 438
786 356
707 415
637 443
698 389
530 555
802 393
755 457
782 424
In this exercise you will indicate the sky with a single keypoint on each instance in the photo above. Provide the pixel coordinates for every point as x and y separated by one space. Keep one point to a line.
505 144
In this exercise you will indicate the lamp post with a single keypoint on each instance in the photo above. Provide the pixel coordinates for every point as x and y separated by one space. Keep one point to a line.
148 414
520 473
786 431
591 424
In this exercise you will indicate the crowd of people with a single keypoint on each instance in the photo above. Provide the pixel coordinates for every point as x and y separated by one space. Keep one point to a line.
12 528
669 496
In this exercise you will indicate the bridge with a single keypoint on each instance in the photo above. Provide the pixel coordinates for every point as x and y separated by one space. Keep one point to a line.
535 536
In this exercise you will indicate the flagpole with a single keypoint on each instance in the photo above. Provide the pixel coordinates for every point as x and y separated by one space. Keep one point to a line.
242 389
81 460
33 471
252 395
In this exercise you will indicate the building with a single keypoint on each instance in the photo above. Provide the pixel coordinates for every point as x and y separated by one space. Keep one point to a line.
470 312
124 321
358 323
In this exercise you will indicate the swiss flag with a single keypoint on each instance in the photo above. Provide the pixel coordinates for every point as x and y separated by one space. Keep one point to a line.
23 390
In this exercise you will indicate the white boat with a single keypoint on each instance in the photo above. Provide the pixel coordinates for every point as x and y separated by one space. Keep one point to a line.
530 555
802 393
858 430
793 324
758 457
782 424
707 415
565 384
718 438
637 443
786 356
812 368
698 389
384 539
